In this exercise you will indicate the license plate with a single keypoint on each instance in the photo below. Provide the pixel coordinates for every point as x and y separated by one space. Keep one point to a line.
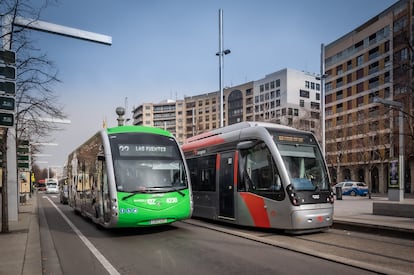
158 221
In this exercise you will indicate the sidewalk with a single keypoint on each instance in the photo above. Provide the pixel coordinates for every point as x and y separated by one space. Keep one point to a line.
358 212
20 251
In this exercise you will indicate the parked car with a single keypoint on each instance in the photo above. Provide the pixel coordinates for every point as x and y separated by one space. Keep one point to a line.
64 194
52 188
352 188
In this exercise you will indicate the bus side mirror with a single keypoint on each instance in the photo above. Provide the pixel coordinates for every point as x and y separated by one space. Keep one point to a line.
244 145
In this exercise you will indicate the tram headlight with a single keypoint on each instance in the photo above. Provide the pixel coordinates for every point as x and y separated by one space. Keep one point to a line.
292 195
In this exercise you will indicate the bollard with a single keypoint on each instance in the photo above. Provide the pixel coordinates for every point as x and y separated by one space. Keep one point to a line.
338 191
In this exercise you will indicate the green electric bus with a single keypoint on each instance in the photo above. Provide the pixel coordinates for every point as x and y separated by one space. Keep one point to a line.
130 176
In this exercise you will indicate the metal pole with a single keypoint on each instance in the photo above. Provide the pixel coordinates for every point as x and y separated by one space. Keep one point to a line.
221 65
393 194
323 96
401 154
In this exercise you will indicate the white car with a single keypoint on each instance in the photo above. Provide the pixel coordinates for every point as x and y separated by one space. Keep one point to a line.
52 188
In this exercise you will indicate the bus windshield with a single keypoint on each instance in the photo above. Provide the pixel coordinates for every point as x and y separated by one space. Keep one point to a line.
147 163
133 175
305 166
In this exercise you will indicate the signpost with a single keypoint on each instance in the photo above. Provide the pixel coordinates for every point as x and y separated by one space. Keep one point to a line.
7 87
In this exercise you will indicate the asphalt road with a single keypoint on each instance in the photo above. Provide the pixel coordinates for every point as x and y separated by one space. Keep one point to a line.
72 244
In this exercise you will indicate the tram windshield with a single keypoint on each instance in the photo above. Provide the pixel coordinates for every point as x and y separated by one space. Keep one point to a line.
305 166
147 163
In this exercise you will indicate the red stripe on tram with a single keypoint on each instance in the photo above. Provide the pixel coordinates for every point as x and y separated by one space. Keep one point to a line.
257 210
235 167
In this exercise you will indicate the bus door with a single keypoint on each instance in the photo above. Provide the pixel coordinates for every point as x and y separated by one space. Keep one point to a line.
226 186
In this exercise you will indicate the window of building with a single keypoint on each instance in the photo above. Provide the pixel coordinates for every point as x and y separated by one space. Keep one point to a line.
278 83
373 53
315 105
360 60
360 87
339 82
349 65
277 102
304 93
339 108
307 84
302 103
339 70
339 95
360 73
328 86
360 101
296 112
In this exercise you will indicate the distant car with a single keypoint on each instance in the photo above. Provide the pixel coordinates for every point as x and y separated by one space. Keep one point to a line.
41 186
64 194
352 188
52 188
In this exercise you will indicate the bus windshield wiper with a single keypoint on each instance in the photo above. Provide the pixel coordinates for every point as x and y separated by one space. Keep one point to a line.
133 193
178 191
174 188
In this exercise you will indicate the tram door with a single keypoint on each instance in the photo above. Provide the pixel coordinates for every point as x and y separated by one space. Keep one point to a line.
226 178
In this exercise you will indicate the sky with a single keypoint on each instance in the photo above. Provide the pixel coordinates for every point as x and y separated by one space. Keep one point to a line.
166 49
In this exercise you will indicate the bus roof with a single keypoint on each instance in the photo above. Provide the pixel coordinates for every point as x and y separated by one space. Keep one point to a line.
138 129
239 126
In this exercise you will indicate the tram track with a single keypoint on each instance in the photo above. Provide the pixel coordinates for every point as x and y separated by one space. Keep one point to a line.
379 254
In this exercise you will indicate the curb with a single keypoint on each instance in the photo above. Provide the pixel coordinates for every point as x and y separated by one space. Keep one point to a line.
390 231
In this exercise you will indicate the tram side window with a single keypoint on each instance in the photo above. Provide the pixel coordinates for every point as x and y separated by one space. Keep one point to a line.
203 173
259 170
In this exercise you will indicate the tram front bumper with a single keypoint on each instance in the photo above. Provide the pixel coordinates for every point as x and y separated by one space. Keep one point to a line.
312 219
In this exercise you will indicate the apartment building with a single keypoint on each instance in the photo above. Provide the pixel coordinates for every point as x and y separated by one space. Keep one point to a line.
289 97
168 115
202 111
372 61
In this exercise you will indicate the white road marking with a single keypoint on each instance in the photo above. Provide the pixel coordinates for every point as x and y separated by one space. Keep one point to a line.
110 268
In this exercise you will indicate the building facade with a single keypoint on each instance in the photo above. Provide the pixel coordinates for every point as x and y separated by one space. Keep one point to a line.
289 97
203 111
168 115
372 61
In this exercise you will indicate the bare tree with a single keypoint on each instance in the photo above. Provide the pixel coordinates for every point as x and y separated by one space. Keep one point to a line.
35 77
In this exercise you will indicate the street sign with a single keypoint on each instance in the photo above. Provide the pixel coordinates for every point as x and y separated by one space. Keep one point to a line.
7 103
7 57
8 72
23 165
7 119
8 87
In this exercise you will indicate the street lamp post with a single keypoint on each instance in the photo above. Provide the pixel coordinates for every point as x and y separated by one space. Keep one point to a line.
323 76
397 194
221 53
